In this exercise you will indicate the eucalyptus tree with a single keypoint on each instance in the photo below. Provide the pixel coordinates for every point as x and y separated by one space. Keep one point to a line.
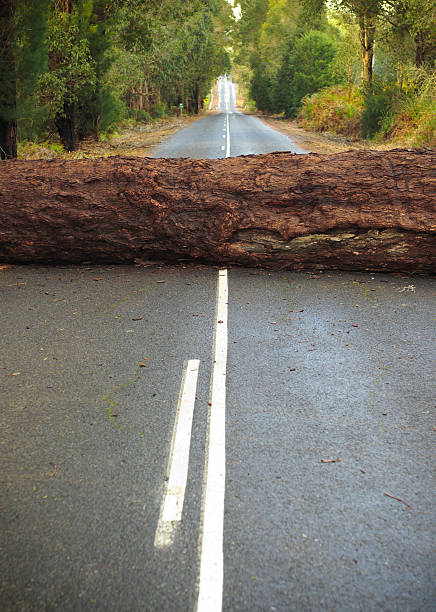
367 13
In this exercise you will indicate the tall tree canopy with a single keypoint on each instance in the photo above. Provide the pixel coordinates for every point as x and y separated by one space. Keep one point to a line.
79 66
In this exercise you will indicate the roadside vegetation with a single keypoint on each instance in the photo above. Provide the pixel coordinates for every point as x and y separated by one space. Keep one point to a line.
76 72
358 68
72 70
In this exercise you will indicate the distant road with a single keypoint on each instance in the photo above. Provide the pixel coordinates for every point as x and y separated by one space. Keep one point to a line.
226 133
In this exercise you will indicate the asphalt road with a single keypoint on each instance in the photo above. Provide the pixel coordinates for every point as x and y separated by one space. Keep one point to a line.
210 138
326 385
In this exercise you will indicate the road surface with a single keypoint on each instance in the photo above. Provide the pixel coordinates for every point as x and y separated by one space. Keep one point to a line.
181 438
226 133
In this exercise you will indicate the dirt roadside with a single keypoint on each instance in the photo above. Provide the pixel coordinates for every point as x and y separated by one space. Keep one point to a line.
321 142
137 140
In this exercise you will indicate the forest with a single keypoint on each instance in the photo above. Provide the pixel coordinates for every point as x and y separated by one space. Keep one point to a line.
75 69
361 68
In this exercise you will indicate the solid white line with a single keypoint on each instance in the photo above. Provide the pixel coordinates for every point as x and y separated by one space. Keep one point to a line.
228 137
211 548
172 506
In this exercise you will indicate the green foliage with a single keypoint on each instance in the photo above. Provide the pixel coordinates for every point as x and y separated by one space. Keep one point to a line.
84 65
71 68
412 119
378 101
316 59
308 68
334 109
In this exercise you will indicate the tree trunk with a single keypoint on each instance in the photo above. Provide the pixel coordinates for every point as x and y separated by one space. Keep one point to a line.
8 80
352 211
66 127
420 48
196 98
367 36
8 139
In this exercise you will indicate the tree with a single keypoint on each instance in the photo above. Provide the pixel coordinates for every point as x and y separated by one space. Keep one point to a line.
416 19
22 58
8 96
276 211
71 68
307 68
367 13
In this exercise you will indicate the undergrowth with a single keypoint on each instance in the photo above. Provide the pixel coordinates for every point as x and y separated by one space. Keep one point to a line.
389 114
334 109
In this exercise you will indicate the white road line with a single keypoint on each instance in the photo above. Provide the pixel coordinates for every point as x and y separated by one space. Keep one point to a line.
211 547
228 137
177 473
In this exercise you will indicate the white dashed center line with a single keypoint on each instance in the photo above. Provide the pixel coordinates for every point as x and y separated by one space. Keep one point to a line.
172 506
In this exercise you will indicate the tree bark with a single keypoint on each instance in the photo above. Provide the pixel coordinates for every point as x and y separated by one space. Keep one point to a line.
8 138
8 80
66 127
352 211
367 35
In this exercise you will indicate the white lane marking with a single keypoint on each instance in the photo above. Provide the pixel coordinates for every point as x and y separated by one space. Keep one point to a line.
228 137
211 547
177 473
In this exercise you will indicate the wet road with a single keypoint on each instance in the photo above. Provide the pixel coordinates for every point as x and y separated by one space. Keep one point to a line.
122 493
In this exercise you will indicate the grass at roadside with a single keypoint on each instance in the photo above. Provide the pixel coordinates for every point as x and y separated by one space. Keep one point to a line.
131 138
385 117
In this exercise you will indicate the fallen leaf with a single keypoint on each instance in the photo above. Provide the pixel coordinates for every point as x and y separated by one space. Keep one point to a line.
220 321
137 318
97 279
330 460
160 281
354 325
143 365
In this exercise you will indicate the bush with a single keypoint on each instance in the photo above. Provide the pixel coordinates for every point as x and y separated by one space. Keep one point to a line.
308 68
413 120
378 104
261 90
335 109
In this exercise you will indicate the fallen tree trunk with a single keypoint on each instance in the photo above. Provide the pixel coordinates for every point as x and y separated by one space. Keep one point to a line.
356 210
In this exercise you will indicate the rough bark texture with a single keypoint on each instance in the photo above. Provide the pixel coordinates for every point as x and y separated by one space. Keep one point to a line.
356 210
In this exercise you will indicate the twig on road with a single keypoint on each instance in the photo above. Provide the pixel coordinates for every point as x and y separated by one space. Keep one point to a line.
54 469
398 499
